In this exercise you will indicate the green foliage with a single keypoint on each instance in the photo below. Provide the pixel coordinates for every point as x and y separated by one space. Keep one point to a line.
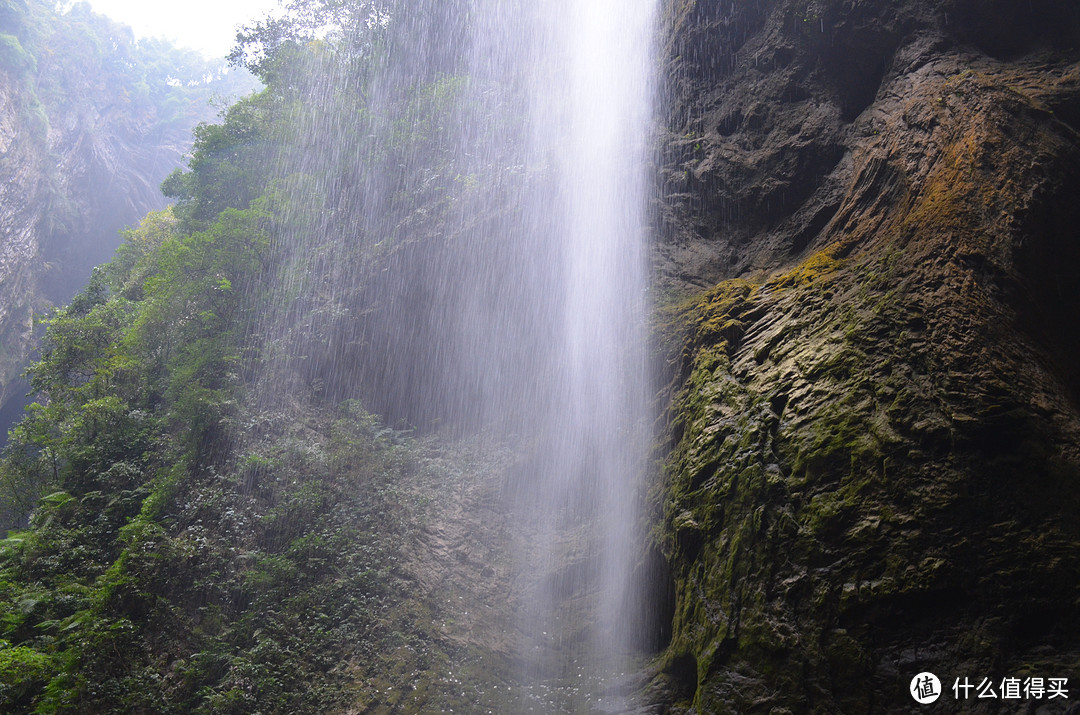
162 571
13 57
230 164
97 49
269 47
245 592
133 263
65 59
22 671
190 549
94 113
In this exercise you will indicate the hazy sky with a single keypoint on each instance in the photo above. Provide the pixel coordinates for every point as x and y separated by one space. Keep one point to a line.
205 25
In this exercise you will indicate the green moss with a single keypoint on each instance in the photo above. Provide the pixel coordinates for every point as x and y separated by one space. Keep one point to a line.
769 466
816 267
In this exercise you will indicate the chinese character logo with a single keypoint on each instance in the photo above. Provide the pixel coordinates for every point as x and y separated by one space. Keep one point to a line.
925 688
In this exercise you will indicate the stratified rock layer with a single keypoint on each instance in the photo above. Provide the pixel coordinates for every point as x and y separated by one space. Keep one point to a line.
871 256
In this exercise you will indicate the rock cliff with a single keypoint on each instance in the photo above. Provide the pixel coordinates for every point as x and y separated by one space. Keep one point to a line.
68 187
91 122
868 263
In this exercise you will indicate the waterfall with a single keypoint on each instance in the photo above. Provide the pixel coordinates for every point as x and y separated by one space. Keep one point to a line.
584 66
481 267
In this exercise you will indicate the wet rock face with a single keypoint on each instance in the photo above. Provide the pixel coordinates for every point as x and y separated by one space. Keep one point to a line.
871 254
761 104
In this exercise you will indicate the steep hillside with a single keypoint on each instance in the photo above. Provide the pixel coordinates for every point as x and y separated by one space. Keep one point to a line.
871 255
91 122
221 531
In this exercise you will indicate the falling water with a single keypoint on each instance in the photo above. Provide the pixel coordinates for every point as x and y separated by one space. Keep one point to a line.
586 68
491 276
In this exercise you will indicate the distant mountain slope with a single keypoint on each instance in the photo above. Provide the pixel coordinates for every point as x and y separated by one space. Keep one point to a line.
91 122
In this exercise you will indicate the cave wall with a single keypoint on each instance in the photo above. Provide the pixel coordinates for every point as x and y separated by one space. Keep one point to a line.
868 272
